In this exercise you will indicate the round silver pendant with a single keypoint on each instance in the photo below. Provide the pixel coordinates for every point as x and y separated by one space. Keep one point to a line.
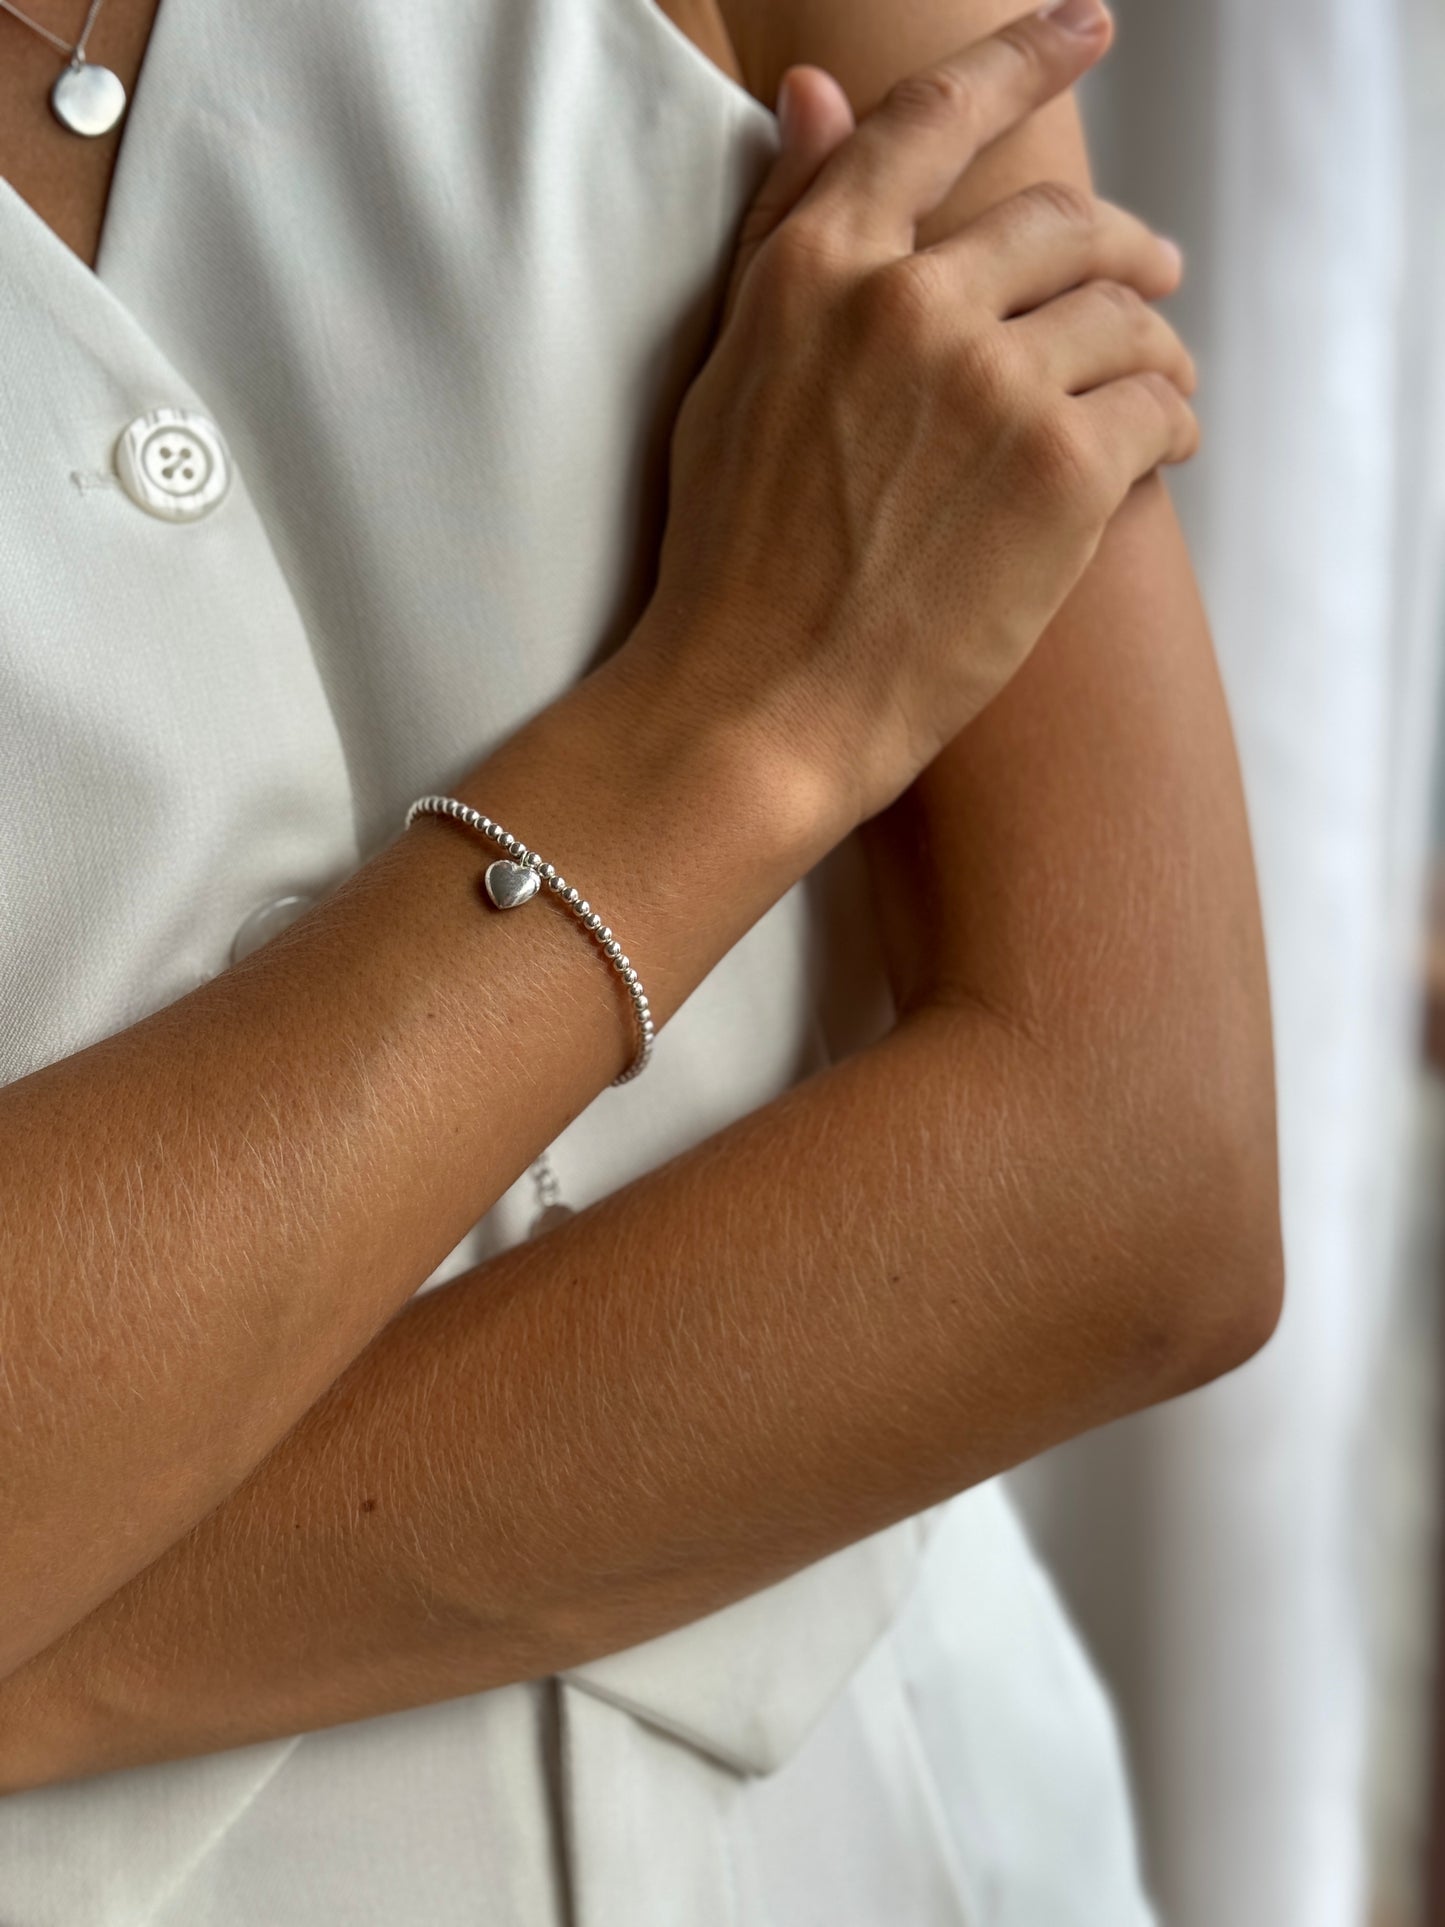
88 100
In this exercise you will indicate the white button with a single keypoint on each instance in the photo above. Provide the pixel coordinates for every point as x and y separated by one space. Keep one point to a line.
267 922
173 463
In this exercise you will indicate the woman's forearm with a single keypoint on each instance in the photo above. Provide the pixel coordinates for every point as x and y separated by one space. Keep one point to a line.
1077 861
913 1270
208 1215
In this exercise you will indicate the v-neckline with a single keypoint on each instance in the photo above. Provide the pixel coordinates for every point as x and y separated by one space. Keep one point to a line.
691 54
147 101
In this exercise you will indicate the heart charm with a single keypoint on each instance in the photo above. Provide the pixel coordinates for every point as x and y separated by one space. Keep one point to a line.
509 884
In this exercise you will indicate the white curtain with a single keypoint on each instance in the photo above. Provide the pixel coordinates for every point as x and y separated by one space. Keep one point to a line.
1213 1552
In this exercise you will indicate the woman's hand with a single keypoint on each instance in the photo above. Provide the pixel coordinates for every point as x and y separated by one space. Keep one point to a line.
898 461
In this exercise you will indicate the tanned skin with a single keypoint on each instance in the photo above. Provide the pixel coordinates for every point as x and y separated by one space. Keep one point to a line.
1046 1198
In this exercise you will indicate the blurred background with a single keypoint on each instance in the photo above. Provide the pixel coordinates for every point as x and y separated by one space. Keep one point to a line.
1257 1567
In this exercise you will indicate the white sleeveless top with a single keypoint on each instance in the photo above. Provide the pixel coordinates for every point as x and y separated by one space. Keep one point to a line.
434 279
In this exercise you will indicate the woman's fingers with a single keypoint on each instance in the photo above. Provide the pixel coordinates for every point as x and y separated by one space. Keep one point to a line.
1139 422
908 153
1100 333
814 119
1047 239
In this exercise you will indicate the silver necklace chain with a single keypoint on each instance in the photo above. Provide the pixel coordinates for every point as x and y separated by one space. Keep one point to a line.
550 1206
77 52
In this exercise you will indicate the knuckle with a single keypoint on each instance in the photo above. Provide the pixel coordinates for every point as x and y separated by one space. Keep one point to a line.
1126 305
1161 391
933 94
1181 424
1061 202
898 305
793 264
1020 39
787 258
1056 459
983 380
1167 352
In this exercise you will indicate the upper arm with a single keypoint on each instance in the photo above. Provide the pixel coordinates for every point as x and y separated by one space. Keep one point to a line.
1078 859
868 44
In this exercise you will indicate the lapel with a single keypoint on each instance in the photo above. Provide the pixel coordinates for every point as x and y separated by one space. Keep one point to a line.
748 1684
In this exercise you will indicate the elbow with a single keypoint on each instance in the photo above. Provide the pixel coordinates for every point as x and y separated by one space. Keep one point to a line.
1230 1304
1206 1292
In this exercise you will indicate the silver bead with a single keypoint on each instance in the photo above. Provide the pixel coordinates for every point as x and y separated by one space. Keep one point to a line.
590 919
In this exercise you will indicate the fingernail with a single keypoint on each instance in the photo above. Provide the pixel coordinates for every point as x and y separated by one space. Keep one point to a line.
1074 16
1173 250
784 109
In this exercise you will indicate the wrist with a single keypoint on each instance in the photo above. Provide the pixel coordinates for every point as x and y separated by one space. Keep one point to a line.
756 750
679 817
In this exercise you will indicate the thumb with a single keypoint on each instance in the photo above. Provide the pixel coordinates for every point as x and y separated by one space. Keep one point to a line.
814 118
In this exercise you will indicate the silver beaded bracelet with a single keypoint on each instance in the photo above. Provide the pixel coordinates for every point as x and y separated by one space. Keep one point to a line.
517 877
